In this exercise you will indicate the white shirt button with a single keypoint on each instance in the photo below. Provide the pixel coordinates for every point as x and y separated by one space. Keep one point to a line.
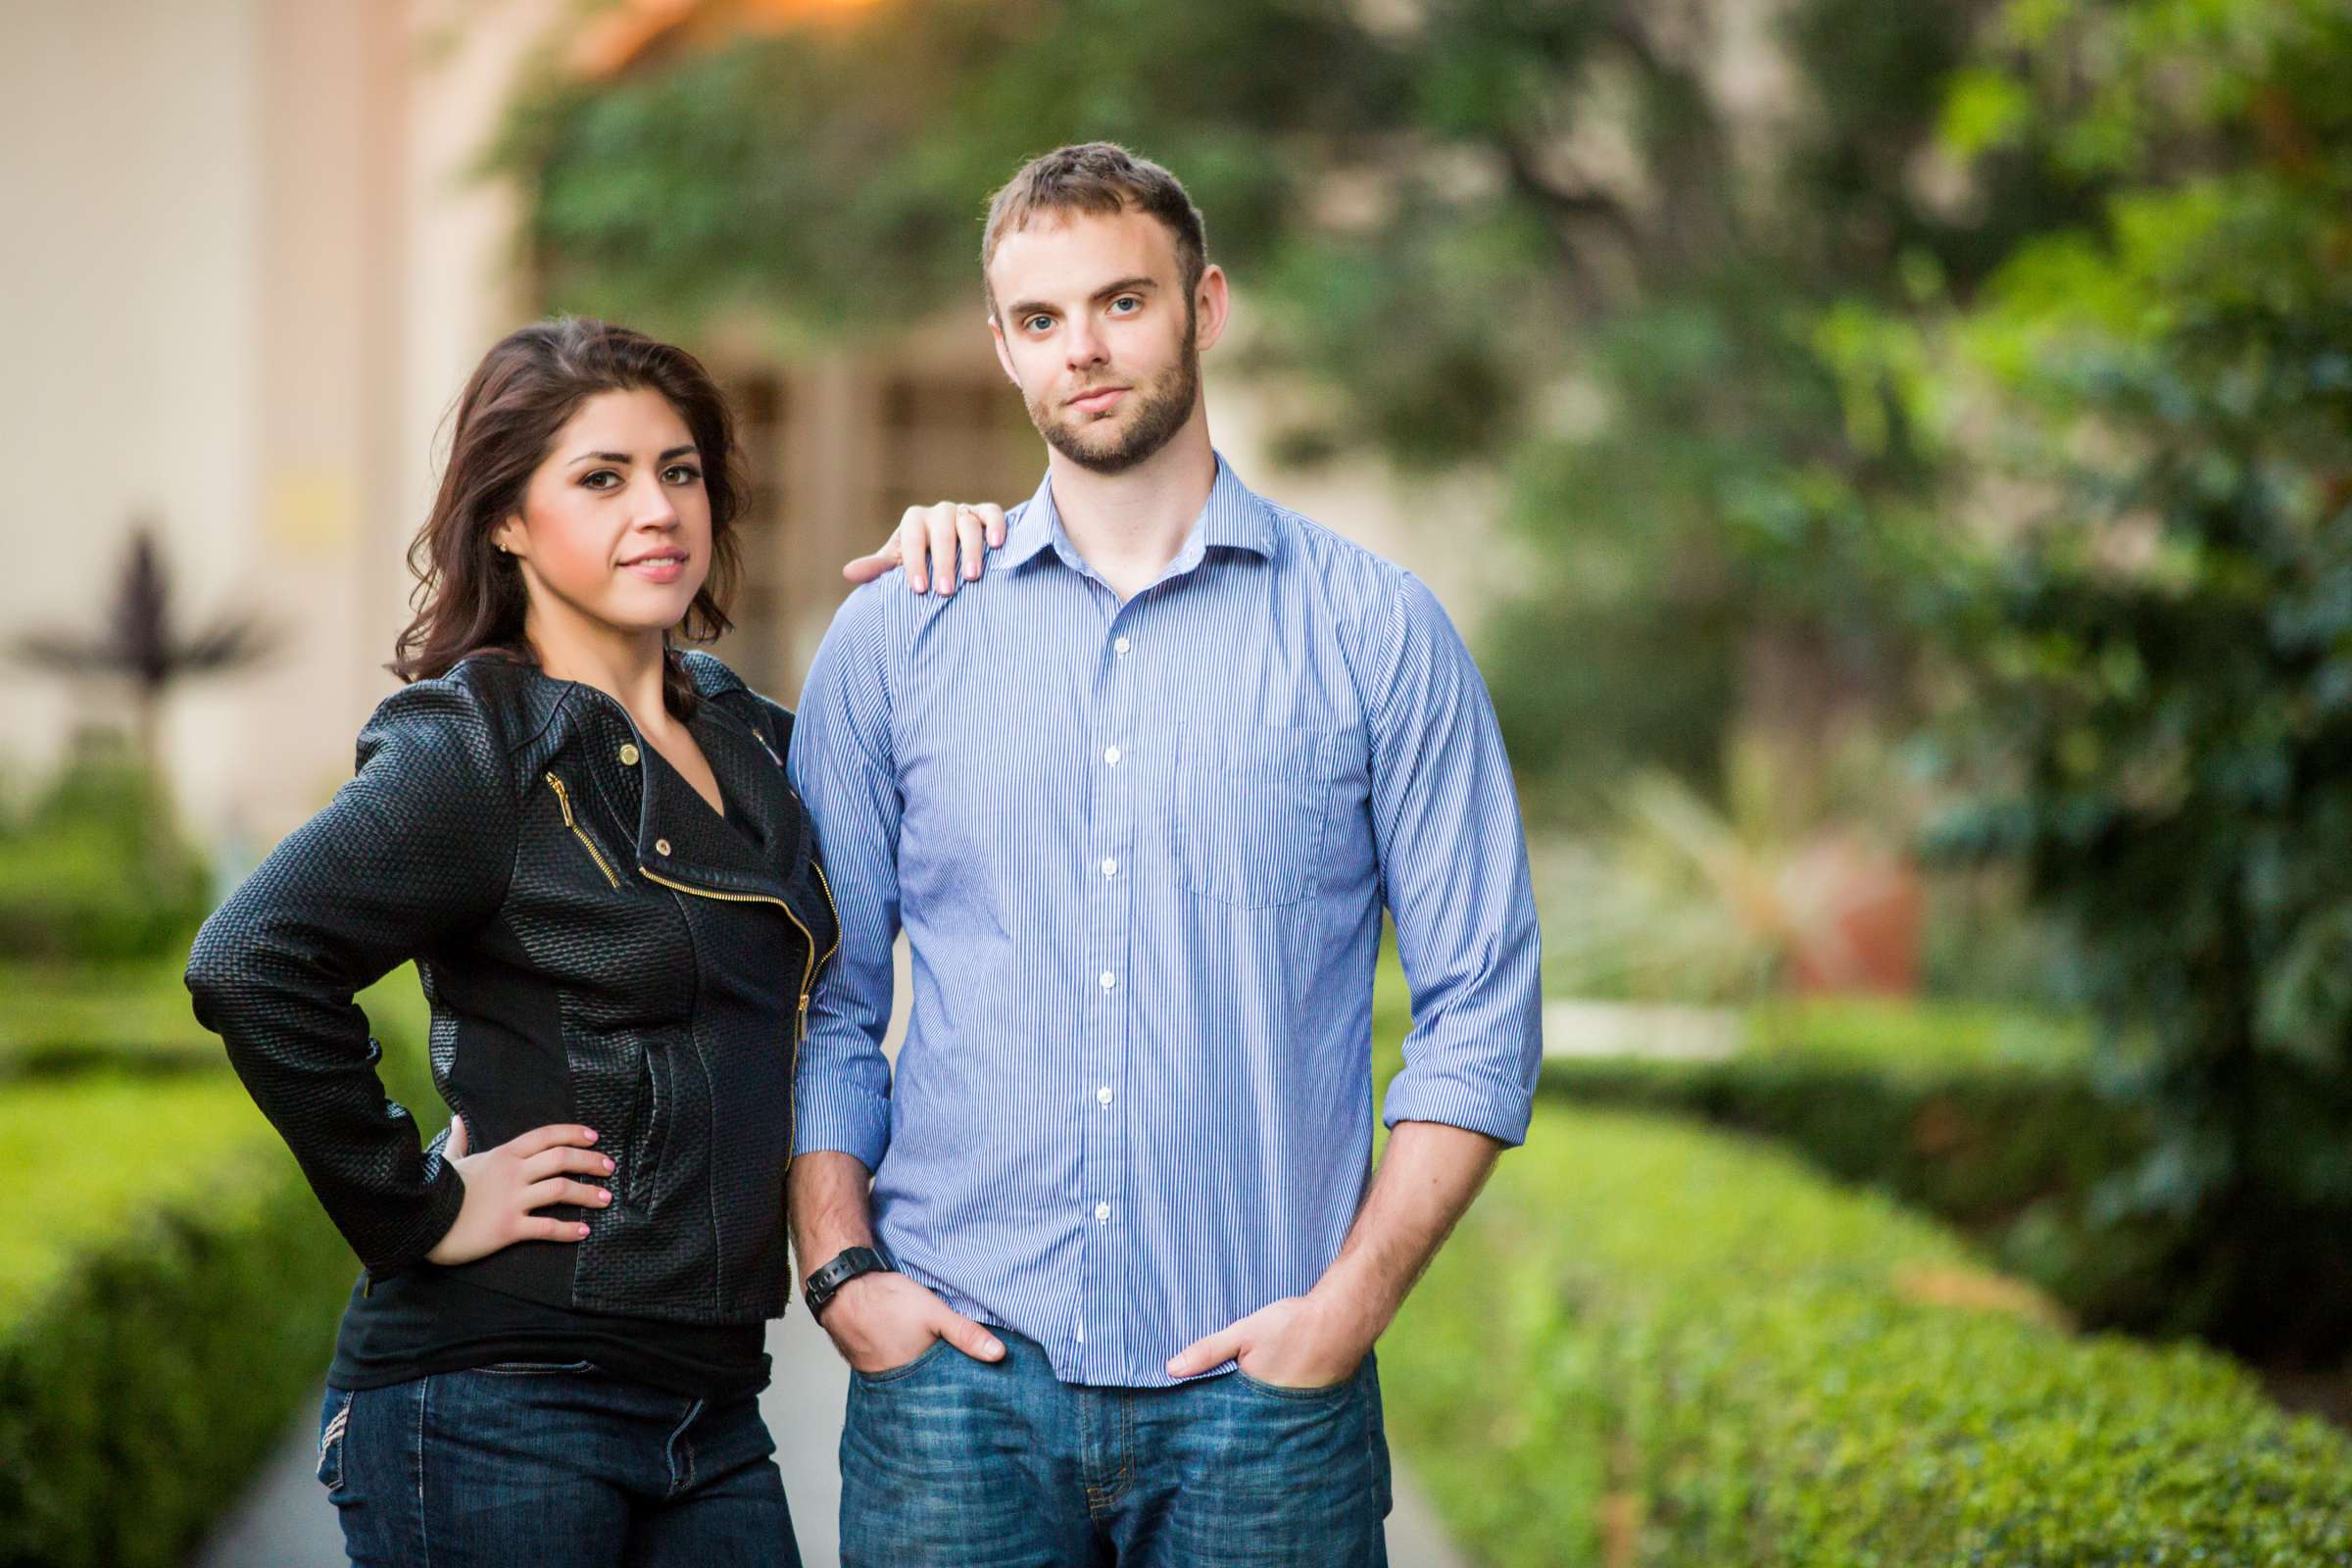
1111 867
1102 1212
1104 1094
1122 645
1109 980
1111 754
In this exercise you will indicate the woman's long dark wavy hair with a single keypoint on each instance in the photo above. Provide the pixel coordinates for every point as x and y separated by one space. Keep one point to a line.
470 595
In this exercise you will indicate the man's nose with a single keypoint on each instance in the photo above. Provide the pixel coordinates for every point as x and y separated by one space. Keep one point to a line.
1083 346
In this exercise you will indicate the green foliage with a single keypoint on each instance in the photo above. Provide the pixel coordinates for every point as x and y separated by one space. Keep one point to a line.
1651 1344
2155 714
167 1293
1988 1118
95 872
1906 1037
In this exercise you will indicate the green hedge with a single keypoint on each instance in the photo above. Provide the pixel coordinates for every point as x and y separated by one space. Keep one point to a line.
57 1020
97 870
168 1291
1651 1344
1988 1119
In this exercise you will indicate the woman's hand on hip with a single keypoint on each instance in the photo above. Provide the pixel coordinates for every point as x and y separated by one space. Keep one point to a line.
505 1185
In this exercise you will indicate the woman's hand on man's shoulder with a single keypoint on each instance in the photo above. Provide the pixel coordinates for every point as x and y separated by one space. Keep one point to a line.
928 542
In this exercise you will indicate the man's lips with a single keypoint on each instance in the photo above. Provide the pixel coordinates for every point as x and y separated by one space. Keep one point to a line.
1100 398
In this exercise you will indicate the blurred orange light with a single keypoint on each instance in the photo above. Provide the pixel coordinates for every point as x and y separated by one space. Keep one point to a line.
629 32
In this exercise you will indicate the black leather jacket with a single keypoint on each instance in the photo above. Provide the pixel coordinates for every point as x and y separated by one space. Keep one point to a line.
504 830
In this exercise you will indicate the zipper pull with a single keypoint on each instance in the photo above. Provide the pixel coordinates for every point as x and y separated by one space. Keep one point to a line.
803 1027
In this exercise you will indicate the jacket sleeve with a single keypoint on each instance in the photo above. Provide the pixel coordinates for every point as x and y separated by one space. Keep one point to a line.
414 851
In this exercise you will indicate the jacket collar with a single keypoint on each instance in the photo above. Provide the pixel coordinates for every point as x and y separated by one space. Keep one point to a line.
674 838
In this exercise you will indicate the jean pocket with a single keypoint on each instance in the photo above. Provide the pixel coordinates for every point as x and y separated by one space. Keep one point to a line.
334 1419
535 1370
1282 1391
891 1373
1249 809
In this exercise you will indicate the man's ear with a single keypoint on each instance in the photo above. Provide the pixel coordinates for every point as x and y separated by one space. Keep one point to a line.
996 335
1213 306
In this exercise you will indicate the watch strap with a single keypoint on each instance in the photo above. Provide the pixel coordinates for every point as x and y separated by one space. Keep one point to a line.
845 1266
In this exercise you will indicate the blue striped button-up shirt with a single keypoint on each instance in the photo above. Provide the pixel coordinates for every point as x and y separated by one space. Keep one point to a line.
1140 850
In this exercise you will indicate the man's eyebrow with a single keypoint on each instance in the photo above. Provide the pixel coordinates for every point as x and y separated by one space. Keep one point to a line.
1138 284
623 457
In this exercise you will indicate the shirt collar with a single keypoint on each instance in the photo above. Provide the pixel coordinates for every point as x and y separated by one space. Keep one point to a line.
1233 518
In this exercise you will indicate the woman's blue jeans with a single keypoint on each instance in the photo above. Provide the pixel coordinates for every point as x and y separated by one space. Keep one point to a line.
948 1463
529 1462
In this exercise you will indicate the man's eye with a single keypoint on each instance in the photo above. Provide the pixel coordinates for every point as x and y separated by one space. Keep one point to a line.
1038 323
1127 298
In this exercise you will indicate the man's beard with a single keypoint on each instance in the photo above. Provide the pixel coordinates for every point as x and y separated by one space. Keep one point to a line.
1158 418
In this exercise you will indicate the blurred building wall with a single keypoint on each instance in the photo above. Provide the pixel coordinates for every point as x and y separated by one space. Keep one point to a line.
247 283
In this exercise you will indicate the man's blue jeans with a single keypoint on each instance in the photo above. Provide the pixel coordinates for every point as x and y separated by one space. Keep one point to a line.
527 1463
948 1463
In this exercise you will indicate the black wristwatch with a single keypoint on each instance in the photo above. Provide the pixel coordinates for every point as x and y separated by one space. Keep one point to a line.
852 1261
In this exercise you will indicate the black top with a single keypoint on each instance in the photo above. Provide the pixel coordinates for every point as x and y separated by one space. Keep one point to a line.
422 1320
426 1319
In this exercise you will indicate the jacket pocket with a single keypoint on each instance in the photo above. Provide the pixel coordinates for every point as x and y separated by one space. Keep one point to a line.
1249 807
648 1124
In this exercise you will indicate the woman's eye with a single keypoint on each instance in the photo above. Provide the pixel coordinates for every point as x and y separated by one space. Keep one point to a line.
682 474
591 480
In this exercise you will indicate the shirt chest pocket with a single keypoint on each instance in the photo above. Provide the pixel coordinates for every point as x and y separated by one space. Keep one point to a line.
1252 805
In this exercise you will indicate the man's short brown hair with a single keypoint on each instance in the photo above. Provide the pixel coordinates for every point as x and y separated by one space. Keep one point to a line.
1104 178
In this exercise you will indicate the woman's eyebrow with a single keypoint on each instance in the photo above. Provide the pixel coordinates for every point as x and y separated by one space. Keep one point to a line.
623 457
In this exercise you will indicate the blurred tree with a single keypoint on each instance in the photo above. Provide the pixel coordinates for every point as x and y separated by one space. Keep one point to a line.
98 869
1584 241
139 642
2153 416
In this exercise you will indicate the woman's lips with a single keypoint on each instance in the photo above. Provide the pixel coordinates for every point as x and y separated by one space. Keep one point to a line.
661 569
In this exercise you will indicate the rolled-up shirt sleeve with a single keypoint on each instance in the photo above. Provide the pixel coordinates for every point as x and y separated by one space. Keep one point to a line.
841 762
1455 875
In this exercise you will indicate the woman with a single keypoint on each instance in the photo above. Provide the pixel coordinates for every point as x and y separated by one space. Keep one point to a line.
586 841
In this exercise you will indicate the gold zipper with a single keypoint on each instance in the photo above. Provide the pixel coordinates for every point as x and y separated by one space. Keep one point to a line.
799 1029
564 799
807 937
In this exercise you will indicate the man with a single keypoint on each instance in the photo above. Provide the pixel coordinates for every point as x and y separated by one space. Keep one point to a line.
1122 1175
